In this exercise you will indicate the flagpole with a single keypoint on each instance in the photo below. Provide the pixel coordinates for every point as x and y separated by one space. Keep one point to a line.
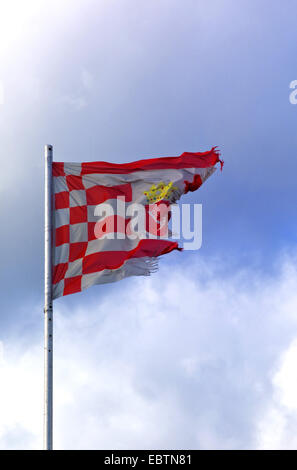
48 305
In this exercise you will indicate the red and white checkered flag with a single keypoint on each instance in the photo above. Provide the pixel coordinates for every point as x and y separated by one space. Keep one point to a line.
82 255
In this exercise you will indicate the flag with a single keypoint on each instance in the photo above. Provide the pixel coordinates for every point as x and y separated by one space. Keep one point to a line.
94 239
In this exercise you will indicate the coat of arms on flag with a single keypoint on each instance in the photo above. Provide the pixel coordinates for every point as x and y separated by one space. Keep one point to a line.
94 235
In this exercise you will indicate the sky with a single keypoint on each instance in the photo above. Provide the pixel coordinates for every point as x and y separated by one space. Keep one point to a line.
202 354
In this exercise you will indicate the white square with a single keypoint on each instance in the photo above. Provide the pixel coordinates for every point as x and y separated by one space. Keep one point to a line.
58 289
89 280
60 184
62 217
61 254
78 198
91 216
72 168
74 268
94 246
89 181
78 233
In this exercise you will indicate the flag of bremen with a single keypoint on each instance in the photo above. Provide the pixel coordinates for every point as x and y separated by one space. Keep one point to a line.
80 259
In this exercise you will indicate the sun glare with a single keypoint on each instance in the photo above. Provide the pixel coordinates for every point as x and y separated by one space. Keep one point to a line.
19 19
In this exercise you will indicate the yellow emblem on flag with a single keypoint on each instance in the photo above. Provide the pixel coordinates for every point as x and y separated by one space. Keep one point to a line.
160 192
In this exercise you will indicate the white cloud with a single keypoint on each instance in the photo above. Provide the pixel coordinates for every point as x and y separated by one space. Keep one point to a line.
20 397
76 102
1 93
87 79
187 360
277 429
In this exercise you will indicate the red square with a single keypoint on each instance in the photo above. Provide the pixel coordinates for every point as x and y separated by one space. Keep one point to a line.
78 214
77 250
62 200
58 169
74 182
98 194
72 285
91 231
62 235
103 260
59 272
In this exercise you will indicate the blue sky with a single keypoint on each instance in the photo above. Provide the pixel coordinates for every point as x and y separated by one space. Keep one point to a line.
119 81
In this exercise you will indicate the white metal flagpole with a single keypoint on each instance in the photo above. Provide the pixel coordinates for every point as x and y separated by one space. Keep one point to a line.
48 305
